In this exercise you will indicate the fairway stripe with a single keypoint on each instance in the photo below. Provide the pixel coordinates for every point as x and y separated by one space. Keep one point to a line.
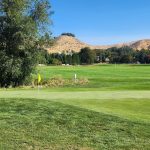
75 95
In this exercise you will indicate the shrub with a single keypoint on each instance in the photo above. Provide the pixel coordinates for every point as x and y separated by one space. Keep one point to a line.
56 62
58 81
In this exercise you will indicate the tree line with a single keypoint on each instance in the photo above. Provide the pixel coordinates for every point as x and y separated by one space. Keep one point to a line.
87 56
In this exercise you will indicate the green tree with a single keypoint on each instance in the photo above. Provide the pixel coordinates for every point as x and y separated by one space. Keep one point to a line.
68 34
87 56
22 23
100 55
143 56
69 59
121 55
75 59
46 40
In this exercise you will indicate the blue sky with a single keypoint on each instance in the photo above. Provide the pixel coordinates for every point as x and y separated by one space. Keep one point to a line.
101 22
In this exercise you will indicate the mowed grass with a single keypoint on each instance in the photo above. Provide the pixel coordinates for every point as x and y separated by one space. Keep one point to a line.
131 109
37 124
111 112
132 105
104 77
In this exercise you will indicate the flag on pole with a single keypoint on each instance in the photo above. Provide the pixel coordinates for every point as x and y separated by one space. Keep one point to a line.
39 78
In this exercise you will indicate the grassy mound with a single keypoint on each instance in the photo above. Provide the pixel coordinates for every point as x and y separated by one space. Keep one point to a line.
37 124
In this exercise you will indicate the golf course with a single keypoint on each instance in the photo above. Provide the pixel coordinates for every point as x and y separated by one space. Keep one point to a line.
110 112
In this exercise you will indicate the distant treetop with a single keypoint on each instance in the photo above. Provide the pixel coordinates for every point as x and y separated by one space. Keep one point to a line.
68 34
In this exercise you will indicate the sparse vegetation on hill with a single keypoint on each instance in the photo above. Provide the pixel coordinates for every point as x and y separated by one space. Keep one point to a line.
67 43
141 44
68 34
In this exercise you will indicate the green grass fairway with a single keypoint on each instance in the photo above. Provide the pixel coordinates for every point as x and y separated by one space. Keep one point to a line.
112 112
105 77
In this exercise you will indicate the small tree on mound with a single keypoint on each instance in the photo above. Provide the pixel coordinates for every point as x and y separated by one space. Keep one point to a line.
68 34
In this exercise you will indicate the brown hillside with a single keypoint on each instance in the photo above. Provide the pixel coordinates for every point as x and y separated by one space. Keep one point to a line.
68 43
142 44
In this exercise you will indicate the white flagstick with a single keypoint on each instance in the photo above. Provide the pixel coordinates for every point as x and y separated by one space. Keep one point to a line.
75 77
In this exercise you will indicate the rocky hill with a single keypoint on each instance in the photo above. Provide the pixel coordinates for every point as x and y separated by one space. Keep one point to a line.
67 43
142 44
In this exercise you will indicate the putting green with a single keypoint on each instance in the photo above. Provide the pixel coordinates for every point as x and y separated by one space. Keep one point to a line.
48 95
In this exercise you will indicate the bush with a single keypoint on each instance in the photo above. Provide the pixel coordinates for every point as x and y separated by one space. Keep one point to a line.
56 62
58 81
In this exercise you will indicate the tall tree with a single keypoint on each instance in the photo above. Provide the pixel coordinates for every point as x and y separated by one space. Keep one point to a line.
75 59
22 23
87 56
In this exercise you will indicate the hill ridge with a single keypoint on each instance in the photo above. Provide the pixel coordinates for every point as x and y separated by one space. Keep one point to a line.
68 43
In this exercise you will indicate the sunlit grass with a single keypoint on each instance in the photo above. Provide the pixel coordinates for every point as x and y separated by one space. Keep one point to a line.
104 77
37 124
111 112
